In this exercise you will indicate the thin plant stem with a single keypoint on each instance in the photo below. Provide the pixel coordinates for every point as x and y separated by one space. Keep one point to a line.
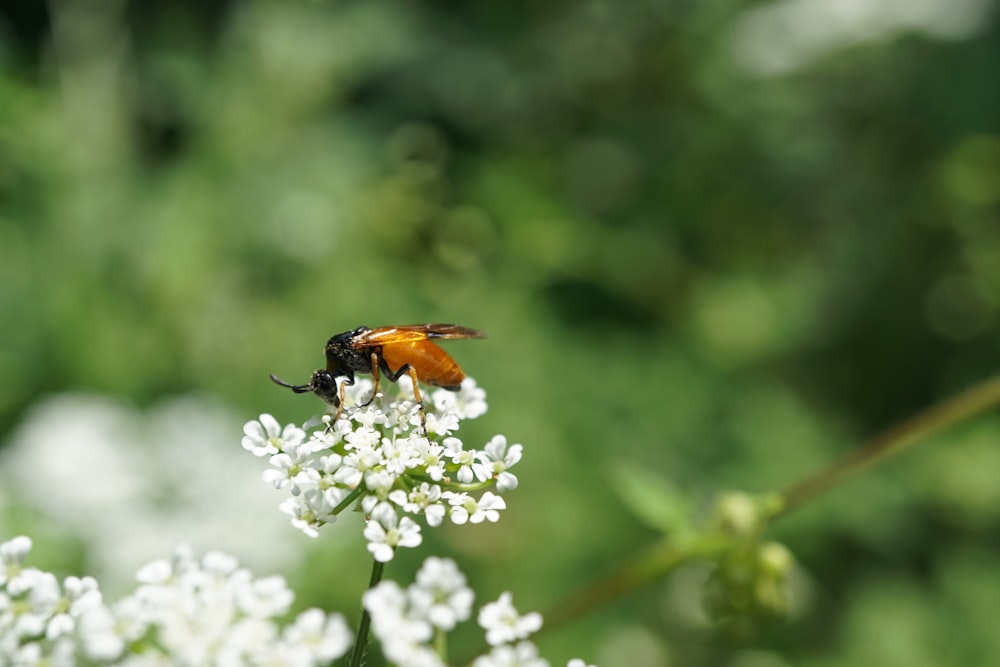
441 644
361 640
665 556
350 498
957 408
657 561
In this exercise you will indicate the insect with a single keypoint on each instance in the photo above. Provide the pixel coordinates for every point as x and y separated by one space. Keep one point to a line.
390 351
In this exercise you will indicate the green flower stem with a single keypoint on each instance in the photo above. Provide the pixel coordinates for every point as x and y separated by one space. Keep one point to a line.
654 563
962 406
667 555
471 486
351 497
441 644
361 640
449 485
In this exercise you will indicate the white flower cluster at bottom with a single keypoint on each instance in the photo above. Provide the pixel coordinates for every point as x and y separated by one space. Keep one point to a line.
211 611
184 612
409 623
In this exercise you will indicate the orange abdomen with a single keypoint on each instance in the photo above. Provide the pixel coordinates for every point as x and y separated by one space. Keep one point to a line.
433 365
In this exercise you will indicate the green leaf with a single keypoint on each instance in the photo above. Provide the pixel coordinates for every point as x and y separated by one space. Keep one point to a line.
654 500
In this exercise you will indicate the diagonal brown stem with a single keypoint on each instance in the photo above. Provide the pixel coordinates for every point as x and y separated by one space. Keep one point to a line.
657 561
931 421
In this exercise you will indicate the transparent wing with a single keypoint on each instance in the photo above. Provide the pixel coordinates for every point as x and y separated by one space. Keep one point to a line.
413 332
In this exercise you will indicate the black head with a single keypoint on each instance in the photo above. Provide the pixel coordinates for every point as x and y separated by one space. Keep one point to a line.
322 383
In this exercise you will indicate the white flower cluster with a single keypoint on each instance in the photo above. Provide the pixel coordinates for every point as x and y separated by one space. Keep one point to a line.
108 468
38 617
185 612
410 623
377 455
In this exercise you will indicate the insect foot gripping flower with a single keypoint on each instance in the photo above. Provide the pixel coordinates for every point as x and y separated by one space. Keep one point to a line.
412 623
184 612
377 457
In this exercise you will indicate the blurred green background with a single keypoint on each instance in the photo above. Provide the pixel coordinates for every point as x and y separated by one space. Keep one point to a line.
722 241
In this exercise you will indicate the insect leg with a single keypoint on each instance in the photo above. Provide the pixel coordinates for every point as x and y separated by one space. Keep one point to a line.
340 408
340 403
376 358
409 370
416 395
340 400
